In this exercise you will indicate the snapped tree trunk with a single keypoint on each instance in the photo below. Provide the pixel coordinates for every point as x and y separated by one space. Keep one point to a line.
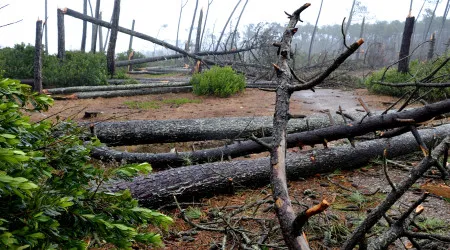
199 30
188 43
110 55
100 35
83 35
425 35
199 181
95 28
37 86
361 34
61 35
314 34
403 64
130 48
431 48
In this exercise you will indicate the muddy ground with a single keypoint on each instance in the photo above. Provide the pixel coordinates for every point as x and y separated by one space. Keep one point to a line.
355 191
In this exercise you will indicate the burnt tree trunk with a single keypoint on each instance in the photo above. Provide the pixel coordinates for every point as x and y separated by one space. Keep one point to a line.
403 64
100 35
188 43
110 55
61 35
199 181
199 31
37 86
83 35
130 48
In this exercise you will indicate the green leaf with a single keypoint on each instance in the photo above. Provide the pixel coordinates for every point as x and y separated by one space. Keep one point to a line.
37 236
8 136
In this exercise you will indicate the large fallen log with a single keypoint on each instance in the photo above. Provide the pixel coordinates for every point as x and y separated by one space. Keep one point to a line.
317 136
149 80
161 131
199 181
70 90
176 56
132 92
159 71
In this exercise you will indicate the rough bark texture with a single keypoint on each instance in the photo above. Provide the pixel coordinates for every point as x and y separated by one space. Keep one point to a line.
83 35
159 131
61 35
110 55
70 90
432 45
249 147
78 15
403 64
37 86
195 182
95 28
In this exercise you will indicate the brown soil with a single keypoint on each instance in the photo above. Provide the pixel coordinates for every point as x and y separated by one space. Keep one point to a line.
260 103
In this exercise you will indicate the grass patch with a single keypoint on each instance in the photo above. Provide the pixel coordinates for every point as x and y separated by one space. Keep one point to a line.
432 225
180 101
142 105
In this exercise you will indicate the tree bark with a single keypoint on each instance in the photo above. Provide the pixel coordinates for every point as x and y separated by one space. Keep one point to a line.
403 64
130 44
61 35
37 86
314 34
179 21
188 43
431 48
199 31
176 56
46 27
95 27
110 55
225 26
100 35
83 35
78 15
199 181
132 92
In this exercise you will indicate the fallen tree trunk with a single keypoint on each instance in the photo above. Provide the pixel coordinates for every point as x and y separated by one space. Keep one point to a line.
70 90
313 137
149 80
169 57
162 131
199 181
159 71
132 92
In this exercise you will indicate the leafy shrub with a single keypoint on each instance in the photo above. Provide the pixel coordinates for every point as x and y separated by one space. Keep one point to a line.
418 71
17 62
78 69
50 195
218 81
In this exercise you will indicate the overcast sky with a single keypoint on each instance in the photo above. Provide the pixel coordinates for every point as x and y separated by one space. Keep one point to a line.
152 15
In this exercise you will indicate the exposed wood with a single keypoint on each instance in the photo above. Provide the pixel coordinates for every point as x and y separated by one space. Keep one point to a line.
83 35
195 182
78 15
110 55
431 48
61 35
95 27
37 85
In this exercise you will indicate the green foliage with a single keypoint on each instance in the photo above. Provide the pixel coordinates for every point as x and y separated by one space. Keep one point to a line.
218 81
357 198
123 56
78 69
418 70
17 62
193 213
180 101
50 195
432 225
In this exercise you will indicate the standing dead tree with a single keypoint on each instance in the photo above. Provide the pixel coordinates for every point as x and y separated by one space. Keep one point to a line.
37 86
112 41
188 43
179 20
225 26
403 65
95 28
314 34
291 224
199 30
206 19
83 36
61 36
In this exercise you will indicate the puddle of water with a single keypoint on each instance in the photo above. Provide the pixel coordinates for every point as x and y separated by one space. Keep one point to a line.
326 99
